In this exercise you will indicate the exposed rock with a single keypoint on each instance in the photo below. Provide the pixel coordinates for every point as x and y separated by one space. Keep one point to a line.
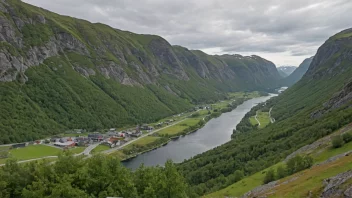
85 71
260 191
334 185
339 99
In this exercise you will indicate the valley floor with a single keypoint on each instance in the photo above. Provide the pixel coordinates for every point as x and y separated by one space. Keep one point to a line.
183 124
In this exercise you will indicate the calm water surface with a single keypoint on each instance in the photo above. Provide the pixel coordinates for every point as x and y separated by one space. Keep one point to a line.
215 133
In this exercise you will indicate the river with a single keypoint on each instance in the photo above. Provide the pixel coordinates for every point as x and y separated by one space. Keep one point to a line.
215 133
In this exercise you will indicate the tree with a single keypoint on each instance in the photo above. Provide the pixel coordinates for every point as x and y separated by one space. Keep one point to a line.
175 185
347 137
337 141
269 176
281 172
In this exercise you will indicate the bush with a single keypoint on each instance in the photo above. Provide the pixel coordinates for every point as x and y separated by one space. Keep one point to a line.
337 141
347 137
281 172
299 163
270 176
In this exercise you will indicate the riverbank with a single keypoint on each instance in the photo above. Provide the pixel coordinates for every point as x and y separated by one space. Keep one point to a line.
215 132
194 122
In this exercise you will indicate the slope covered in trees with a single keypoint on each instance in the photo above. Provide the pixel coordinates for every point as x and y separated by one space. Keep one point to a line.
99 176
60 73
314 107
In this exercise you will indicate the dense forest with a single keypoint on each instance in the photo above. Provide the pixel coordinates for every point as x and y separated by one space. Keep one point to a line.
314 107
99 176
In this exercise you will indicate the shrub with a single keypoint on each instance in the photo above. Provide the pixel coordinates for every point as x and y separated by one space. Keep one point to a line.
347 137
281 172
270 176
299 163
337 141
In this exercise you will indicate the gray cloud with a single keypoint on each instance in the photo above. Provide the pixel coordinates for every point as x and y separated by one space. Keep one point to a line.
285 30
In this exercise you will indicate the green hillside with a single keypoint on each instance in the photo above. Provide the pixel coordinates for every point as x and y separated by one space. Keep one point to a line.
316 106
59 73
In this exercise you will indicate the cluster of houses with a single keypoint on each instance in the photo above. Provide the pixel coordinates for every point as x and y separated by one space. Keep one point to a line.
167 122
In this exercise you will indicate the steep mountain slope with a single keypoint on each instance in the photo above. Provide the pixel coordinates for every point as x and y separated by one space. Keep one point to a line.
325 88
58 73
298 73
285 71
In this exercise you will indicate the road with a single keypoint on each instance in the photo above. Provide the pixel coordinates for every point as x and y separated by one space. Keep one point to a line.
272 120
255 117
24 161
89 149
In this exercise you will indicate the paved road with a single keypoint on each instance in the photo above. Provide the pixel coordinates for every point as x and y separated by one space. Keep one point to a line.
130 142
89 149
255 117
272 120
24 161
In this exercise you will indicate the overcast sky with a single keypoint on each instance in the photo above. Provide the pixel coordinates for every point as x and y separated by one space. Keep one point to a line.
283 31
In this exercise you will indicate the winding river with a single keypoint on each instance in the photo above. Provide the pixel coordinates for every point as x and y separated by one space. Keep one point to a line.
215 133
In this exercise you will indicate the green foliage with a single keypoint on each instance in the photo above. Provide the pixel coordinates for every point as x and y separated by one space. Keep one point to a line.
99 176
347 137
337 141
298 163
36 35
269 176
281 172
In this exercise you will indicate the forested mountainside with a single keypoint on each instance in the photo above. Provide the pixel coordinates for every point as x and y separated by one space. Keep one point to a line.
320 103
58 73
298 73
285 71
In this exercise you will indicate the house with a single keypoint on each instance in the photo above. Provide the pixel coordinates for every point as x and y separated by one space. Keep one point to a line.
96 137
146 127
66 144
112 133
21 145
112 129
136 134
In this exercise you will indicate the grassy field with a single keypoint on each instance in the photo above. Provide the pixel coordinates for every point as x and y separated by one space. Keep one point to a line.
100 148
263 118
77 150
178 128
32 152
254 94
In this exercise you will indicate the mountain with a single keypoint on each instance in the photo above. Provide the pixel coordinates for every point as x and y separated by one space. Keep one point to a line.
285 71
316 106
59 73
297 74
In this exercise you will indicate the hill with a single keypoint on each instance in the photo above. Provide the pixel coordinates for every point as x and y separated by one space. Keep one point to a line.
59 73
314 107
285 71
297 74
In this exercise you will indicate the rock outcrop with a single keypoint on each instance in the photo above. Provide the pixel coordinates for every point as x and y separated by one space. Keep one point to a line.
338 186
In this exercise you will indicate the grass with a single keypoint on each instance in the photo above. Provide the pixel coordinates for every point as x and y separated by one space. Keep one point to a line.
77 150
330 152
32 152
178 128
100 148
311 179
146 140
239 188
263 118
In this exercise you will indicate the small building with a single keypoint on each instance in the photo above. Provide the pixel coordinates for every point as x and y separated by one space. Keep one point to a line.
65 144
112 129
136 134
21 145
146 127
96 137
112 134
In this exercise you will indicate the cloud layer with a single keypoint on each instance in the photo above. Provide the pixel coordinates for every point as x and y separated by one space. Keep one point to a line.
283 31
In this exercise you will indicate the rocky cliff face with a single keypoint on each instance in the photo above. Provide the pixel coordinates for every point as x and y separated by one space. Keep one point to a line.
29 35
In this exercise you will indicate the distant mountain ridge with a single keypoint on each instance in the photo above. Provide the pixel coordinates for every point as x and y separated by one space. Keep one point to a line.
285 71
63 73
297 74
